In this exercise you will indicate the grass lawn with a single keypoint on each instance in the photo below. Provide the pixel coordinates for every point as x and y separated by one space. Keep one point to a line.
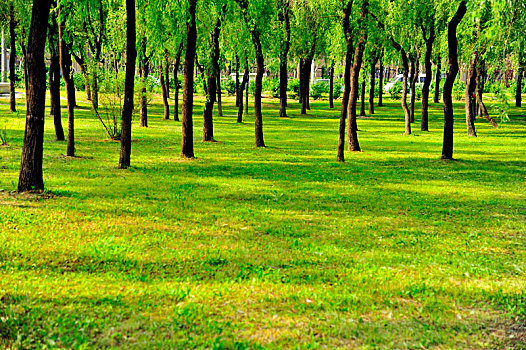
281 247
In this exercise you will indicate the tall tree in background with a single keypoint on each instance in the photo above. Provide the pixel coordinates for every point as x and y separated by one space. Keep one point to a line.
12 56
67 74
447 147
187 140
54 75
284 18
30 177
127 108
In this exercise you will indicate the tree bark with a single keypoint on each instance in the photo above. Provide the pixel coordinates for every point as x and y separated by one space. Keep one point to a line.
165 92
352 128
54 77
331 85
405 64
447 148
283 69
520 74
144 68
167 77
211 91
413 79
424 126
470 100
187 142
479 89
372 82
346 80
381 82
12 56
176 82
237 81
65 65
127 108
437 80
362 95
30 177
219 101
244 84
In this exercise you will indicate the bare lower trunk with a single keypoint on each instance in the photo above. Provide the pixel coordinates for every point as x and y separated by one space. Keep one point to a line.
127 108
362 95
381 83
424 126
244 84
237 81
447 148
413 79
12 56
54 77
219 101
165 96
65 64
479 88
372 86
470 100
176 82
436 99
30 177
167 76
331 85
187 143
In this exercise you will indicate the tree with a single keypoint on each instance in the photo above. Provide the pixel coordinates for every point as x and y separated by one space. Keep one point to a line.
12 56
30 177
54 75
427 15
447 147
127 108
187 141
284 18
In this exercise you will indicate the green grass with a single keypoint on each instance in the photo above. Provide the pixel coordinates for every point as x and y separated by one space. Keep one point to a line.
281 247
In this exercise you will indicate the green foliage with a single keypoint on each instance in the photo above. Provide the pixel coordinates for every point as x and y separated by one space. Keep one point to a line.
293 87
78 81
500 105
318 89
272 86
459 89
230 86
396 91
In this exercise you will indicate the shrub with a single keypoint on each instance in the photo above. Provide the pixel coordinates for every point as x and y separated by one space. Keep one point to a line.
396 91
230 86
293 88
319 88
459 89
78 81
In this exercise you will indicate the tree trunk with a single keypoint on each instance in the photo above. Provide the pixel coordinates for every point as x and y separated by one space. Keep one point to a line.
447 148
176 82
12 56
283 69
412 80
127 108
167 77
244 84
187 142
470 99
219 102
237 81
144 67
65 65
302 83
362 95
165 92
211 90
30 177
331 85
54 77
424 126
260 66
437 80
520 73
352 128
346 80
372 87
381 83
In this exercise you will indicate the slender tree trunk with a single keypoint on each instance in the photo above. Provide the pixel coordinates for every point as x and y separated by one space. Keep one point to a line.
346 80
211 91
12 56
362 95
352 128
260 66
244 84
413 80
447 148
470 102
283 68
167 76
127 108
306 91
520 74
187 143
331 85
381 82
237 81
372 87
165 92
437 80
54 77
481 80
143 102
176 82
65 64
219 102
30 177
424 126
302 83
246 95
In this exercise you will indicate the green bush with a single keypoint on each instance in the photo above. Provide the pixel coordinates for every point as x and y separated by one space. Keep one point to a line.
318 89
272 86
396 91
459 89
230 86
78 81
293 88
